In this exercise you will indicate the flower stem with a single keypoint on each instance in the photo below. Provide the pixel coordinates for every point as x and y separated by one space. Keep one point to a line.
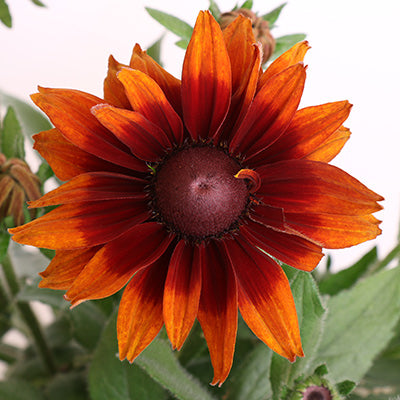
28 316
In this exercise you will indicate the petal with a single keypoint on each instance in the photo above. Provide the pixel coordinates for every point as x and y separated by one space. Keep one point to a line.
114 91
218 310
206 79
288 248
94 186
145 140
310 129
270 112
147 98
140 314
116 262
265 300
67 160
170 85
304 186
239 39
334 231
182 292
272 217
291 57
69 111
78 225
65 268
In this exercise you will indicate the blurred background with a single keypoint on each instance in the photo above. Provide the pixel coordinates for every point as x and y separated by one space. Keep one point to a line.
354 56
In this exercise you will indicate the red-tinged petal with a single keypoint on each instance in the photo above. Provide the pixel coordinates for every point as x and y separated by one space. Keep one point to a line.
69 111
291 57
170 85
239 39
116 262
147 98
304 186
94 186
270 112
145 140
65 268
288 248
78 225
272 217
114 91
218 310
67 160
206 79
265 300
182 292
334 231
310 128
140 314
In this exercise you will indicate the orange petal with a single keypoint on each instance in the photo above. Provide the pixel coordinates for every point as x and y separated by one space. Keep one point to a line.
115 263
69 111
304 186
291 57
206 79
140 314
145 139
310 129
65 268
218 310
182 292
270 112
265 300
170 85
114 91
73 226
147 98
94 186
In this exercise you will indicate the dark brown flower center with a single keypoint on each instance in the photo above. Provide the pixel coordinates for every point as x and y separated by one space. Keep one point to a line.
317 393
196 193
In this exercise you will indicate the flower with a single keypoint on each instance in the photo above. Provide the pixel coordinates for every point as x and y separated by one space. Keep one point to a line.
186 191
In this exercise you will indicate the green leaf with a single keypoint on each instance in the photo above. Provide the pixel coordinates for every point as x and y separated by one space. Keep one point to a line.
346 387
333 284
38 3
183 44
19 390
248 4
284 43
4 242
214 9
5 16
154 50
310 313
273 15
67 386
11 138
251 380
359 325
173 24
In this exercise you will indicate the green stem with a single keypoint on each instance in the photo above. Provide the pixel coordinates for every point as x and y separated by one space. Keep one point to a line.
28 316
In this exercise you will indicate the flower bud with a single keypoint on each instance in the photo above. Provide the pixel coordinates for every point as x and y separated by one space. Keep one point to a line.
261 30
314 388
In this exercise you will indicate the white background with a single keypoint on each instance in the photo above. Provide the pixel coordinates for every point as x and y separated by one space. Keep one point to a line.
354 56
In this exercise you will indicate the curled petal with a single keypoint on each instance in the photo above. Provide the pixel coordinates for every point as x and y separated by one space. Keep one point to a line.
252 176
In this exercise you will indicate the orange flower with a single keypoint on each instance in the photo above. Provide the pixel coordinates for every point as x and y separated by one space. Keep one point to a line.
180 189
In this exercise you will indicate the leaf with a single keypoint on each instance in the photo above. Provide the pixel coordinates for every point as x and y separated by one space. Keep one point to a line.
173 24
154 50
5 16
183 44
67 386
38 3
310 313
11 138
248 4
284 43
346 387
4 242
333 284
14 389
273 15
214 9
359 325
251 380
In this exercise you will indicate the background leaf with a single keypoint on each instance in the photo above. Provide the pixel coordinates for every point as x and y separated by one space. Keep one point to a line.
19 390
273 15
284 43
248 4
4 242
11 138
5 16
155 49
214 9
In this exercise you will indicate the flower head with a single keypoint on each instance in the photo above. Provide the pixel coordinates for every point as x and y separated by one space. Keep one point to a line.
185 190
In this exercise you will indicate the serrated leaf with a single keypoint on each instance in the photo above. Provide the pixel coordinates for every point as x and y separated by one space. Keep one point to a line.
5 16
360 324
273 15
11 138
284 43
173 24
251 380
310 313
19 390
334 283
214 9
4 242
183 44
154 50
248 4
